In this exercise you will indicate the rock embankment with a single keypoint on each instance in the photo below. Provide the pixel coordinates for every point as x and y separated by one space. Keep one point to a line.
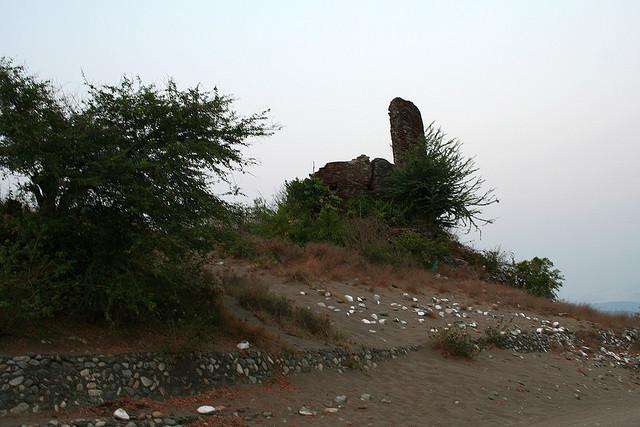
33 383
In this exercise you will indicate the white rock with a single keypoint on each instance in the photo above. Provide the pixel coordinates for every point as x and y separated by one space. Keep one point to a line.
206 410
441 313
372 331
321 304
421 313
438 307
448 310
348 298
303 293
539 330
121 414
374 316
366 321
331 410
360 299
555 324
376 298
306 411
327 294
361 304
243 345
382 321
421 320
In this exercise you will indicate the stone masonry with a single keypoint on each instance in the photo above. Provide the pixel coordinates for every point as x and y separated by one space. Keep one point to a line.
362 176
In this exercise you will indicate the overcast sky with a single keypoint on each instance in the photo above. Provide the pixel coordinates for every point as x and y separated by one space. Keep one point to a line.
544 94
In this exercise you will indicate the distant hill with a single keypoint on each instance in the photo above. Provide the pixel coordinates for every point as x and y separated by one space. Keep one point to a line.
618 306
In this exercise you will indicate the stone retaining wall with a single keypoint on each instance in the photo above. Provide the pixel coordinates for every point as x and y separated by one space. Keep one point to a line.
43 382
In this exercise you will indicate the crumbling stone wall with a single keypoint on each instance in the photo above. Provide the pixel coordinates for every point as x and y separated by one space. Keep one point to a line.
355 177
361 176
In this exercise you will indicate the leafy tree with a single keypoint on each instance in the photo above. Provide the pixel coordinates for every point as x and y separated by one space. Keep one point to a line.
120 183
537 276
437 186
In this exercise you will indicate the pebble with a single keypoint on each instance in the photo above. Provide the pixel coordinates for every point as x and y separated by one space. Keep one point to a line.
206 410
306 411
121 414
243 345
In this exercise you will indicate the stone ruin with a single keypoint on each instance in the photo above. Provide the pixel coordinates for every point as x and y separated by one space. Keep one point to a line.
362 176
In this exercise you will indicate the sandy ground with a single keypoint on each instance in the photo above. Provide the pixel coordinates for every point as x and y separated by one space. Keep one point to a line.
423 388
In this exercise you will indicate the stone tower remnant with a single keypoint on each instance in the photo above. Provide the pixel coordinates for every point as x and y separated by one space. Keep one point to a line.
362 176
406 128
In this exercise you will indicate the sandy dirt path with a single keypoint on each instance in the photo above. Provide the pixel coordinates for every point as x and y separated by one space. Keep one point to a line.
425 389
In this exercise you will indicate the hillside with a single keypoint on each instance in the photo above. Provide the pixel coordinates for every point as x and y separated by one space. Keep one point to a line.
556 365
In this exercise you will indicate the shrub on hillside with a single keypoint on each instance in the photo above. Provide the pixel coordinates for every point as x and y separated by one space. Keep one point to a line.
306 211
456 343
537 276
116 191
437 186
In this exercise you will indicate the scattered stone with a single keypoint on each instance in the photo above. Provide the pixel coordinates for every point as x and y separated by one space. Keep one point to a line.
243 345
121 414
21 408
365 396
306 411
340 399
206 410
16 381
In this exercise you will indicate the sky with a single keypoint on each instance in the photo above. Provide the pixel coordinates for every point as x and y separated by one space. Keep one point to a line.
545 95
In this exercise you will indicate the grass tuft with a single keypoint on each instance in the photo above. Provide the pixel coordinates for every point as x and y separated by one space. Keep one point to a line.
456 343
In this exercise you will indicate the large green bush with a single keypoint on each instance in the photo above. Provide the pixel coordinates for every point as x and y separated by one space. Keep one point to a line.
538 276
437 187
116 200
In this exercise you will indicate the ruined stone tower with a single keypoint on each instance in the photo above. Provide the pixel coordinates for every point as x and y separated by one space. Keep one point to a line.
363 176
406 128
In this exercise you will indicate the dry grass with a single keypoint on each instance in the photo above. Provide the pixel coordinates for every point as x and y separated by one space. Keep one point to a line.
256 298
322 261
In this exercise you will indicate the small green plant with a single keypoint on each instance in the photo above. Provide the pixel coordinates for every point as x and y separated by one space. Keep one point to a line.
456 343
495 337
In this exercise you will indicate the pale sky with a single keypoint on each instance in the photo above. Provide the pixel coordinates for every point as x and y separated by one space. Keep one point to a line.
544 94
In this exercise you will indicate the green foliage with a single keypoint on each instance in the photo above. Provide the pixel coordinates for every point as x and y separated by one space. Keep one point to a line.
406 248
456 343
118 190
495 337
437 186
537 276
307 211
